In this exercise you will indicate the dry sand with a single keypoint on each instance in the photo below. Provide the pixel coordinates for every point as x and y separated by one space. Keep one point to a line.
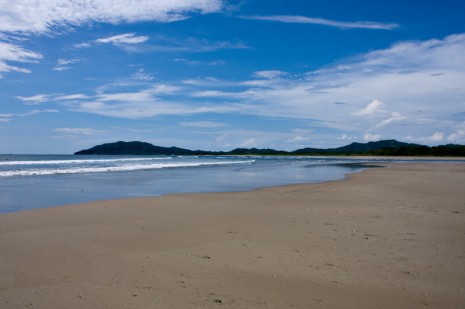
383 238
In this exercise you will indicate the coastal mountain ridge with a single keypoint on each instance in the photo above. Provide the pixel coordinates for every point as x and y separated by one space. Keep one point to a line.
379 148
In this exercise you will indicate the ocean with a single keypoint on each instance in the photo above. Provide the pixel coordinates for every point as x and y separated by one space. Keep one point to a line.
39 181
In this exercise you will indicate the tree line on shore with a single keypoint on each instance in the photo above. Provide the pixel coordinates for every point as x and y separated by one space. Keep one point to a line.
379 148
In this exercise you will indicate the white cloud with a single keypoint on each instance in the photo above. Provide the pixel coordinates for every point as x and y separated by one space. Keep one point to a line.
375 106
191 44
248 143
203 82
38 111
79 131
217 94
240 138
15 53
158 89
8 117
142 96
76 96
422 83
31 16
34 100
437 137
270 74
299 139
202 124
434 139
141 75
371 137
144 109
434 54
132 43
418 98
126 41
346 137
127 38
152 101
395 117
64 64
49 16
83 45
458 136
326 22
4 118
196 62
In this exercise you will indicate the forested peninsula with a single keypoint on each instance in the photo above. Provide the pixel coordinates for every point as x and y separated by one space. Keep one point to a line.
379 148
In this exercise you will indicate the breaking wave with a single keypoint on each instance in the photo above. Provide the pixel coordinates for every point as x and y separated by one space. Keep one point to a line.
34 171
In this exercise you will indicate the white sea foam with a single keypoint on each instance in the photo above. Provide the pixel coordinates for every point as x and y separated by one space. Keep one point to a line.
122 168
56 162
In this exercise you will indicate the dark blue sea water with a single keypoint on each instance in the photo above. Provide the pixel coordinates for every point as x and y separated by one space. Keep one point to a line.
38 181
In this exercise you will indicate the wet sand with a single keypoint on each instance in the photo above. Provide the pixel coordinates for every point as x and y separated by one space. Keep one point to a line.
385 238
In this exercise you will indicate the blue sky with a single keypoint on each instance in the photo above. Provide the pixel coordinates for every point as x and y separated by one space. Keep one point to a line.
217 75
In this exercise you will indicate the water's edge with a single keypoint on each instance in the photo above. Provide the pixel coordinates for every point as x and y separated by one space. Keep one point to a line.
79 180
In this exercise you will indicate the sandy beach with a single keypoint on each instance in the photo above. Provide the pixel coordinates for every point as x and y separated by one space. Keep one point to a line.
389 237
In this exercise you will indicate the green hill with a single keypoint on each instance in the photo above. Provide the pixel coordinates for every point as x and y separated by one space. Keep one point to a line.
380 148
133 148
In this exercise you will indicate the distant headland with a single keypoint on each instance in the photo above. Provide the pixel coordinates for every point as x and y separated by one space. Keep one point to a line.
379 148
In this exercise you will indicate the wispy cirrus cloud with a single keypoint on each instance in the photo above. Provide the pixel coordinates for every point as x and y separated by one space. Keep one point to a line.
31 17
126 38
296 19
415 87
10 52
197 62
38 17
128 106
65 64
4 118
77 96
190 44
38 111
203 124
122 40
80 131
135 43
154 100
34 100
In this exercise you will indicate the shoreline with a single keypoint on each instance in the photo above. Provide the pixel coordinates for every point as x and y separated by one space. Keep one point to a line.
46 191
384 237
358 168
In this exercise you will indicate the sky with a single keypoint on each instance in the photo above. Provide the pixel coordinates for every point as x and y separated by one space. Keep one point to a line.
219 74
